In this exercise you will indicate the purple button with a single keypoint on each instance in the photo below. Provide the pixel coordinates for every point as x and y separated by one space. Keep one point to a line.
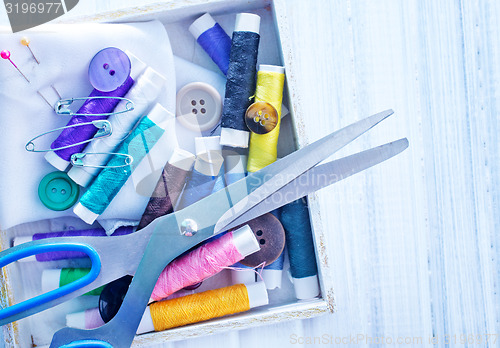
109 69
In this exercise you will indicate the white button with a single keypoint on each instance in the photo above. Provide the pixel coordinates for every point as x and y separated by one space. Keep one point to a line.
199 106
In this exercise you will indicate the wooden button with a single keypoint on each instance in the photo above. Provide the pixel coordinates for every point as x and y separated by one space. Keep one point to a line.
261 117
271 238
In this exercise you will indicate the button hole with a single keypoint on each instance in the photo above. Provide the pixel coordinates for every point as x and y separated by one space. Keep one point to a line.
259 233
193 102
203 110
194 111
112 73
262 241
202 101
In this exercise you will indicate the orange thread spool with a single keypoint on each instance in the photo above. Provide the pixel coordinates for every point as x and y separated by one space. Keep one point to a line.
199 307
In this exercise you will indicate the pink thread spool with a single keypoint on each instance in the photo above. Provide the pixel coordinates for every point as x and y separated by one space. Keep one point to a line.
205 261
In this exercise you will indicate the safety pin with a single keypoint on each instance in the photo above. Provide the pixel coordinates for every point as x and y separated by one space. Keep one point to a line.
62 106
104 129
77 159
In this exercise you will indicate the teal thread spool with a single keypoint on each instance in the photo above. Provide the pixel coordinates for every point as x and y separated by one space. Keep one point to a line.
300 245
109 182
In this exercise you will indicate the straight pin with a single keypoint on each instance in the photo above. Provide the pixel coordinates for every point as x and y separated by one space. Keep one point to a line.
41 95
26 42
6 55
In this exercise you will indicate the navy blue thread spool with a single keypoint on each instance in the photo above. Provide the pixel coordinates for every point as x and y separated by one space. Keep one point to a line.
214 40
300 246
240 84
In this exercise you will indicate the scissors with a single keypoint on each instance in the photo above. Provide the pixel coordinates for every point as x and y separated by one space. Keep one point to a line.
146 253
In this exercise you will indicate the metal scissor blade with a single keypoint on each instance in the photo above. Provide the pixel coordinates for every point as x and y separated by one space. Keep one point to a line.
322 176
278 174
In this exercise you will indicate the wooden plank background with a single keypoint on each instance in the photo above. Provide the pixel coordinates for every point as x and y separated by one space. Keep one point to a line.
414 242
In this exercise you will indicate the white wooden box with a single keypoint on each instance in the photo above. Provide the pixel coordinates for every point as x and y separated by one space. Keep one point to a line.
275 39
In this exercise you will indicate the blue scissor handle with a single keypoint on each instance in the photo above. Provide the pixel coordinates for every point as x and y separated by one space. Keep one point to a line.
62 291
88 344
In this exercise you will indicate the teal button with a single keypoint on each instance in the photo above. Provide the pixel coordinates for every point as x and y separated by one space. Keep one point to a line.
58 192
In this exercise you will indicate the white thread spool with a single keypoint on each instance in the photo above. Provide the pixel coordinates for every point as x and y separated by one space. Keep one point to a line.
143 93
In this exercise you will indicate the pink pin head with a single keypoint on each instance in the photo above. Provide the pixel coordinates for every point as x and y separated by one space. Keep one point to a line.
5 54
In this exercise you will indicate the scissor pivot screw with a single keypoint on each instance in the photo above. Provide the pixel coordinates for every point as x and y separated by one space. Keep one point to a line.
189 227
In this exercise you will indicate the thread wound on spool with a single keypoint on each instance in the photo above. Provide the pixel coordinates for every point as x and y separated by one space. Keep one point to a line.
196 266
263 147
109 182
69 275
217 44
240 87
299 240
168 188
202 179
63 255
75 135
143 93
199 307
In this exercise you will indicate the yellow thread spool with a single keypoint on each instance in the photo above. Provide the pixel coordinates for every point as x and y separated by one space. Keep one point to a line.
263 147
199 307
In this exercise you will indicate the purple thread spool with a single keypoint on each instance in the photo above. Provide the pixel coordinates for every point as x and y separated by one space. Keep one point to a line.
63 255
116 68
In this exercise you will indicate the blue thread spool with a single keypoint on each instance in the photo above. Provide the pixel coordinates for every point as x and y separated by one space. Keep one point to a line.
240 84
235 166
272 274
299 241
202 179
109 182
213 39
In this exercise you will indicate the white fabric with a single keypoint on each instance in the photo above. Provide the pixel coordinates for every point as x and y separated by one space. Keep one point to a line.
64 52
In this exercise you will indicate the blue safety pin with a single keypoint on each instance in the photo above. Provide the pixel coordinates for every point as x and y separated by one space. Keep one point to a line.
62 106
77 159
104 129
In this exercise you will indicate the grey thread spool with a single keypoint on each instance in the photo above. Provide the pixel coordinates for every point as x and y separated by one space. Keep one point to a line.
240 84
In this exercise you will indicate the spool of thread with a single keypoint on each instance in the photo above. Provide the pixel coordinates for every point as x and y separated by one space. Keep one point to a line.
63 255
214 40
202 179
240 84
185 310
202 306
169 186
110 180
272 274
61 158
235 166
263 147
145 91
55 278
300 245
205 261
88 319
